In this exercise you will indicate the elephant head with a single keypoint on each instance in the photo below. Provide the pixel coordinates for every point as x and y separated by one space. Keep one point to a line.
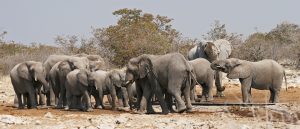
211 51
70 64
83 77
34 72
138 68
234 67
116 78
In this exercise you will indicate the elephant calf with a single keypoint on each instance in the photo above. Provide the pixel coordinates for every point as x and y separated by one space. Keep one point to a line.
263 75
205 76
110 82
78 86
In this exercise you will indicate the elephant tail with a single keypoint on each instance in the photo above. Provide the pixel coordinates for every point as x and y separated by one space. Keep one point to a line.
285 80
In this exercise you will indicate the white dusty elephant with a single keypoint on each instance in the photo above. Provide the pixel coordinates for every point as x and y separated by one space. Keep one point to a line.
262 75
27 78
219 49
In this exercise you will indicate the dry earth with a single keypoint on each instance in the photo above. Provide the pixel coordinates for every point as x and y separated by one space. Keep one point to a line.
283 115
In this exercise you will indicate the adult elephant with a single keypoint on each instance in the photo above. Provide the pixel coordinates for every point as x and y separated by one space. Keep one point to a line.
48 64
63 68
27 78
204 75
262 75
168 74
219 49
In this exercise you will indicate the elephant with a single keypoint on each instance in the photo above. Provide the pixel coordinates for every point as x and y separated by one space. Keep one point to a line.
78 86
262 75
110 82
27 78
63 68
204 75
168 74
219 49
95 62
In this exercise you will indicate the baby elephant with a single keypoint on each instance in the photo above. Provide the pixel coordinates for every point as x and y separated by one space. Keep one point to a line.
78 86
263 75
205 76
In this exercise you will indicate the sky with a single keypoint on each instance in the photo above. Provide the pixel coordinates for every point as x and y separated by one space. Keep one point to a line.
28 21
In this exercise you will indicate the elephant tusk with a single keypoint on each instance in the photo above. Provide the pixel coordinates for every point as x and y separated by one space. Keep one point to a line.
35 79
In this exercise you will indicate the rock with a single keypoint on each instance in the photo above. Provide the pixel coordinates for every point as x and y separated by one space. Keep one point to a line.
9 119
37 122
48 115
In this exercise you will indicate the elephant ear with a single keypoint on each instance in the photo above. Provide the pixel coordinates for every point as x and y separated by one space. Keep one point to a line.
144 66
239 70
108 81
23 71
82 78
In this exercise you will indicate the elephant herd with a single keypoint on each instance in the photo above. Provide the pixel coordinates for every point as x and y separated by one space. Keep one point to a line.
70 81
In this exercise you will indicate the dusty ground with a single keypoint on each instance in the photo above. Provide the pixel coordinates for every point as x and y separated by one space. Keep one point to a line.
283 115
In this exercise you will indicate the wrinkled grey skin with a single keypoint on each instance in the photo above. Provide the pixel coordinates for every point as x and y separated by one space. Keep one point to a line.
110 83
219 49
27 78
64 67
204 75
168 74
77 86
132 95
95 63
262 75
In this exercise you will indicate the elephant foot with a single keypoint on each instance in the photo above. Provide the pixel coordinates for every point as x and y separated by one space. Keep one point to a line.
139 112
189 110
89 109
59 107
67 108
220 94
97 107
166 112
181 109
151 112
21 107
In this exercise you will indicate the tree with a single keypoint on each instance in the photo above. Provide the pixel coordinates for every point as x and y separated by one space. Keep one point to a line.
137 33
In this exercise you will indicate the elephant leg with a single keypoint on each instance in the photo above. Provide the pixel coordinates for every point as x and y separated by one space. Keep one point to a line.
51 99
273 96
18 99
130 97
246 86
139 92
150 109
145 97
175 90
169 101
69 100
125 97
87 100
186 93
101 98
97 99
62 98
204 93
42 98
218 83
32 99
193 95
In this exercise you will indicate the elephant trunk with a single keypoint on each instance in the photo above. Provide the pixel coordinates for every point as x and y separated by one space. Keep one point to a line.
46 87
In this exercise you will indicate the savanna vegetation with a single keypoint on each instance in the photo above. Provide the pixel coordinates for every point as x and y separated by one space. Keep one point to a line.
137 32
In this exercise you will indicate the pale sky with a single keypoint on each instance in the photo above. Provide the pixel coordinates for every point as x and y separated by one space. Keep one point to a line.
40 21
